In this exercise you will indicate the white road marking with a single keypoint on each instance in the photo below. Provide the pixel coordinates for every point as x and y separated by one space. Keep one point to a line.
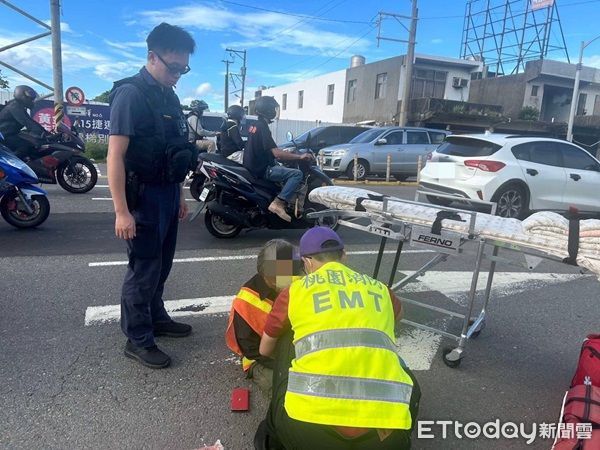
238 257
456 284
417 347
97 315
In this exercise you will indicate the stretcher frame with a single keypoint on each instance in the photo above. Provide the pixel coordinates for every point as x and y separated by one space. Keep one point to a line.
384 225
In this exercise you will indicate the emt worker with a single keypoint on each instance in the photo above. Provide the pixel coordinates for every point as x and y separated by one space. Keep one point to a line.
148 158
346 388
278 264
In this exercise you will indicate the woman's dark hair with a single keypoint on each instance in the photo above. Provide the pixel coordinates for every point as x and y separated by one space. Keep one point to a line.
170 38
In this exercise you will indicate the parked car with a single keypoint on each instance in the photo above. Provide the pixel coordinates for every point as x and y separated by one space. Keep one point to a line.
321 137
404 145
520 174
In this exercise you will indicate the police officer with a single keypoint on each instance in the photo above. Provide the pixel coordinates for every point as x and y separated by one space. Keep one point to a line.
346 388
231 139
261 152
148 159
14 117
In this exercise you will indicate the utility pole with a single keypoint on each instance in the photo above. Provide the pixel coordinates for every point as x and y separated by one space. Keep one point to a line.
408 66
56 61
410 55
575 98
242 75
226 103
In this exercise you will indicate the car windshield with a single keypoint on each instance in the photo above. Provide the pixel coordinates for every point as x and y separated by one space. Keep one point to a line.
366 136
313 133
467 147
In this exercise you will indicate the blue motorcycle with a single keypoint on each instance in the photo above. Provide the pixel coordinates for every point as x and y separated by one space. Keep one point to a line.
22 204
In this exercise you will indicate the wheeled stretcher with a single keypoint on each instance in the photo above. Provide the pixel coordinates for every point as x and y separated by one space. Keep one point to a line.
451 232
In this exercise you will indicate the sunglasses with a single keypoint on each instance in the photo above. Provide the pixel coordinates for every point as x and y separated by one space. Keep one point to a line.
174 68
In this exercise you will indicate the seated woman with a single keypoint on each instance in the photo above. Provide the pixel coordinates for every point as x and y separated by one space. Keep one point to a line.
277 265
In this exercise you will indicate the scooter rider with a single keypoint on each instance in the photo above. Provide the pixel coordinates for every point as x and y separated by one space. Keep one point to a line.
231 139
261 152
14 117
197 134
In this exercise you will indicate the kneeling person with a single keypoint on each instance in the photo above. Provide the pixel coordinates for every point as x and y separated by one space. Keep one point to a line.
277 265
346 386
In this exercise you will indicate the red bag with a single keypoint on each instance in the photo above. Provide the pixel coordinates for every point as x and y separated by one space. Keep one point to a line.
589 362
582 408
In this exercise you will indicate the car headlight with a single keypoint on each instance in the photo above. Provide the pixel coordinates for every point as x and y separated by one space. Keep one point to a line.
339 153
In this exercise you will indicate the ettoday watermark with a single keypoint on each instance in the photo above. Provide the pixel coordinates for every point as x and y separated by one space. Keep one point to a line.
431 429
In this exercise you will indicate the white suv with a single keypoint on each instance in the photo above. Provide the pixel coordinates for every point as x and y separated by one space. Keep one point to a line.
520 174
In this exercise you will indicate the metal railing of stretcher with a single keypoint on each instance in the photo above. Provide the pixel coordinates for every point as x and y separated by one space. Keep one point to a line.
383 224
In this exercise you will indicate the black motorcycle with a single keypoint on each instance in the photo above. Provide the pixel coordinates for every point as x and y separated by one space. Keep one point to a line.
60 158
236 200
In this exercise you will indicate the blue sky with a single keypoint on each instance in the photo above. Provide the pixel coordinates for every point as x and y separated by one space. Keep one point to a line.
104 41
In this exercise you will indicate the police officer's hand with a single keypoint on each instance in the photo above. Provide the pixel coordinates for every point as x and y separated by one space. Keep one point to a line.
184 209
125 226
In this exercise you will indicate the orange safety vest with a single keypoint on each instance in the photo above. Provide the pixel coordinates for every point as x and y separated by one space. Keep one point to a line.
254 310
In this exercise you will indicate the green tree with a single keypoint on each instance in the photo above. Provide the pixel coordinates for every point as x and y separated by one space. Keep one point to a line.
3 81
194 103
102 97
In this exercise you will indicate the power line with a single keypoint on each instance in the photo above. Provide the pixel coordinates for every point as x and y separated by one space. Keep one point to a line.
324 19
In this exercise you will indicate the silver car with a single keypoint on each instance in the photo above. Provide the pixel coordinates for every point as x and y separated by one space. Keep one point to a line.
404 145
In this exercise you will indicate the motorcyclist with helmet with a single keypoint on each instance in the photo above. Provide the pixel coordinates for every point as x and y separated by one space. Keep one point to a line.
197 134
231 140
14 116
261 154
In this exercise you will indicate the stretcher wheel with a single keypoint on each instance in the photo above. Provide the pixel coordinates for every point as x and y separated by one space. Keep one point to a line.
476 332
449 363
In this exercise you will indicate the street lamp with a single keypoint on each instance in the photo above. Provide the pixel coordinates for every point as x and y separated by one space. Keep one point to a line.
575 98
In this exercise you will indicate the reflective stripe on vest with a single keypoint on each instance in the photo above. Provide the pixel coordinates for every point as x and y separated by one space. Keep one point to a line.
349 388
347 337
252 297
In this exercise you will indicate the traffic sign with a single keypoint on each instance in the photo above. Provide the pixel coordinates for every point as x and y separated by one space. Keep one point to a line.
74 96
76 110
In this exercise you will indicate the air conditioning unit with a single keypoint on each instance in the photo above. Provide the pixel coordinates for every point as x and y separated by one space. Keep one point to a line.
459 82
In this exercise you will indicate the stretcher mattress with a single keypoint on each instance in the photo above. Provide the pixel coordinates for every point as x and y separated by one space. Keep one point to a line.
545 232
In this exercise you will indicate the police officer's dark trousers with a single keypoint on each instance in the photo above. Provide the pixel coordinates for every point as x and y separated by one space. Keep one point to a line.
151 255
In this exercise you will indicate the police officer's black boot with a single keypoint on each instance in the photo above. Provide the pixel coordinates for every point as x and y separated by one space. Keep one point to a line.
172 329
151 357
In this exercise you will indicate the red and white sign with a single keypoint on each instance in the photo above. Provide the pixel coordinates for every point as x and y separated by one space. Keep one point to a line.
539 4
45 117
74 96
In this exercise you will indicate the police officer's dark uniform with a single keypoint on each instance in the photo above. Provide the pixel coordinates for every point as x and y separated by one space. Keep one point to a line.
157 160
14 117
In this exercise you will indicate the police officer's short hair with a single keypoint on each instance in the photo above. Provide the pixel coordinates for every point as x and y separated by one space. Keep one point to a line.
170 38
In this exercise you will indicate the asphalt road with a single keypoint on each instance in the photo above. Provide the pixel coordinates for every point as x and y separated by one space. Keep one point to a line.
67 385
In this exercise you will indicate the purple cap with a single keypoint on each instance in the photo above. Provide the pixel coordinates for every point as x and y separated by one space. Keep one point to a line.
320 240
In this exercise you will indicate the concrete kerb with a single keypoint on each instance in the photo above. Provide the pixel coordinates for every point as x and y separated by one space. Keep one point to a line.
375 183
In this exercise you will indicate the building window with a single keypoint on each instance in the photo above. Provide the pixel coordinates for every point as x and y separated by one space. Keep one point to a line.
428 84
284 102
351 91
380 85
534 90
300 99
330 89
581 104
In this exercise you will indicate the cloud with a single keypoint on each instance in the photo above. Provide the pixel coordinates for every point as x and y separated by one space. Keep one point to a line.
260 30
204 89
64 26
592 61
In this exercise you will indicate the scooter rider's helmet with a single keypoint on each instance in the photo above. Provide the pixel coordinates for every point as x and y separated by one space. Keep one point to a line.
266 107
200 107
25 95
235 112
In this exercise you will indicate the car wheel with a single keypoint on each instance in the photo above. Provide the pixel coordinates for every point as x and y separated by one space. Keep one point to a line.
511 201
362 170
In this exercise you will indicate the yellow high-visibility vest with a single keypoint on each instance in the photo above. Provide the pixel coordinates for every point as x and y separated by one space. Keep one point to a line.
346 371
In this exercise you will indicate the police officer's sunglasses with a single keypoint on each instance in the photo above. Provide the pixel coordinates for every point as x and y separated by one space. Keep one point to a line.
174 68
